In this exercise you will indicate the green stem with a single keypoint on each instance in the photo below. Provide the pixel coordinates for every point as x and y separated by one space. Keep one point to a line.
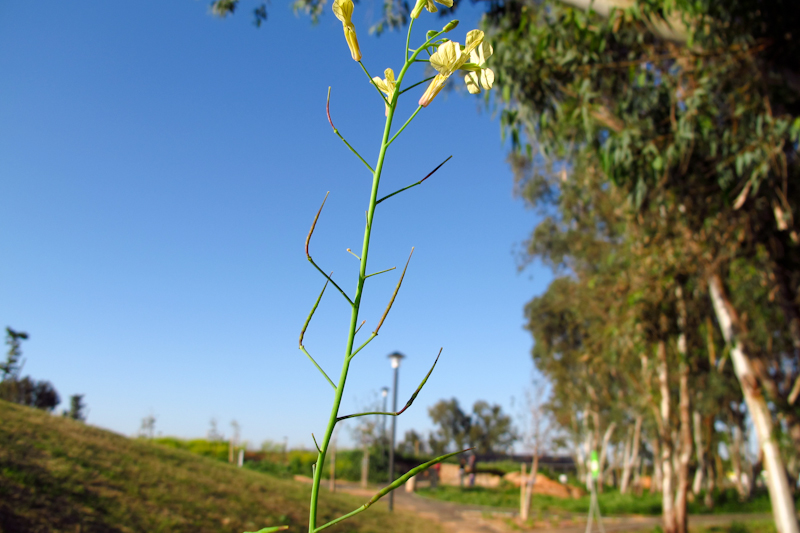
408 38
330 121
356 302
416 84
373 83
419 108
376 178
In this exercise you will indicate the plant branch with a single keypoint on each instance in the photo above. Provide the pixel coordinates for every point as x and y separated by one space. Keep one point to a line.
381 272
386 490
372 82
317 365
308 256
404 125
359 327
372 336
328 110
394 295
417 183
408 39
416 84
408 404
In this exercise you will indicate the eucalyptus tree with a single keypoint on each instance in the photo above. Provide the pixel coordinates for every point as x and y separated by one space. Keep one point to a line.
689 104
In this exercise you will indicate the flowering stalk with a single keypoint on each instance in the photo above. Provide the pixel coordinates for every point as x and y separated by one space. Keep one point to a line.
389 89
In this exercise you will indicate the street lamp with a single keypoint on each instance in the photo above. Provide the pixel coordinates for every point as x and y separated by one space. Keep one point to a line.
395 358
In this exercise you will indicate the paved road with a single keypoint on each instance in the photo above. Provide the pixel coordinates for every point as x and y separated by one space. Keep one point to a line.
459 518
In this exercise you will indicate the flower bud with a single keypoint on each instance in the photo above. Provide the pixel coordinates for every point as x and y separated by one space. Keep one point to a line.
450 26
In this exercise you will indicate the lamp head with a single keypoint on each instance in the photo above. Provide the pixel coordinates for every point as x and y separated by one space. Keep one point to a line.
396 357
385 391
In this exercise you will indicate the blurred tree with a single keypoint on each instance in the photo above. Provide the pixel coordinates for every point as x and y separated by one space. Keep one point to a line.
453 425
412 444
12 366
77 408
148 427
487 428
491 430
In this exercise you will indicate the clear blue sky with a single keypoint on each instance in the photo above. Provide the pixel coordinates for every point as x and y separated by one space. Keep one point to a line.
160 171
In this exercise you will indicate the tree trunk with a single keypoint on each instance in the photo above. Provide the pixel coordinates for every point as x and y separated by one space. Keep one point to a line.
736 459
655 481
711 483
667 504
603 453
684 413
782 503
697 484
631 455
637 477
530 482
365 467
626 462
681 517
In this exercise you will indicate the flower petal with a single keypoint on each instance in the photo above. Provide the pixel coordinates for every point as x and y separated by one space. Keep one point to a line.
474 38
446 57
343 9
487 78
472 83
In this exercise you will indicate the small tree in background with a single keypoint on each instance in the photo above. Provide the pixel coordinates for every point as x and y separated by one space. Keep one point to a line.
24 391
412 444
213 432
148 427
77 408
487 429
11 368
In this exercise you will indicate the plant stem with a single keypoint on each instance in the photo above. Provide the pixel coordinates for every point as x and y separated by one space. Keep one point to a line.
376 178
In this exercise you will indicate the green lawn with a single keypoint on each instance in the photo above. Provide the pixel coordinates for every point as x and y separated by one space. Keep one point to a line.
60 475
611 502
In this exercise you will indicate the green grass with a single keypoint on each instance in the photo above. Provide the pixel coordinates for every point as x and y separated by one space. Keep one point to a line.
611 502
60 475
754 526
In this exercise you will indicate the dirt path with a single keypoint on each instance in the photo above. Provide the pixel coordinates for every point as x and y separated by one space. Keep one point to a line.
459 518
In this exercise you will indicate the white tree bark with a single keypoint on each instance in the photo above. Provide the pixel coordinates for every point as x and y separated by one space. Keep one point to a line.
631 455
667 503
779 494
697 484
603 453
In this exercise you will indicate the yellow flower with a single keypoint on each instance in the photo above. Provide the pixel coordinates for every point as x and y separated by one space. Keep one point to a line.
386 85
448 58
479 74
429 5
343 9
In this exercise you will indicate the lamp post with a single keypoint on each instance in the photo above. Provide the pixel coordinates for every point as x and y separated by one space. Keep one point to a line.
395 358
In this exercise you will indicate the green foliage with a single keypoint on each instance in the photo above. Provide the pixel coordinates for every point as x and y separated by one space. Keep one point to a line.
348 465
487 428
207 448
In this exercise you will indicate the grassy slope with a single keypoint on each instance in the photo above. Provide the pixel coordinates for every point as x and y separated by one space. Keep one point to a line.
60 475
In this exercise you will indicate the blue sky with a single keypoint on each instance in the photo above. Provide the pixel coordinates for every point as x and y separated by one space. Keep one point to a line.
161 169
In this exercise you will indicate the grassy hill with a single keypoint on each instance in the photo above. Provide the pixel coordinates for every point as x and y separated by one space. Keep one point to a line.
60 475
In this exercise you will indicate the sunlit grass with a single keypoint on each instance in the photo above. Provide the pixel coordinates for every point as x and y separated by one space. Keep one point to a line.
611 501
60 475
